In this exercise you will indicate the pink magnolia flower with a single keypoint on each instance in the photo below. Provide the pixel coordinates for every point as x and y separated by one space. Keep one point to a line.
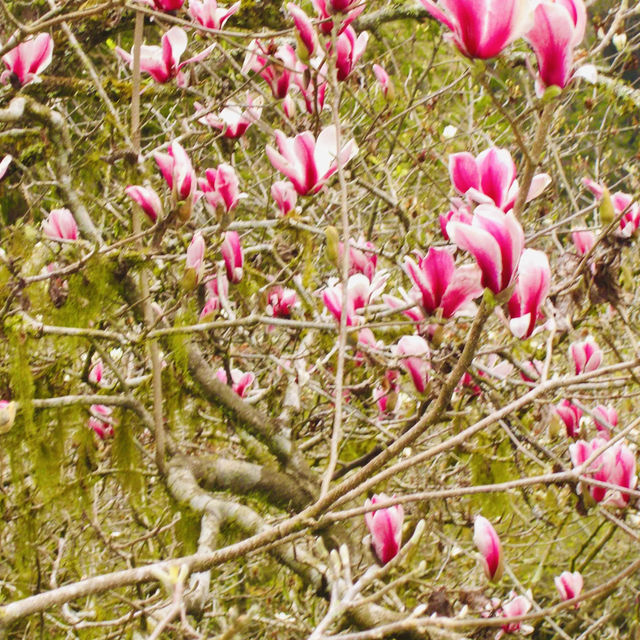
306 32
516 606
60 225
616 466
621 202
349 50
195 257
284 195
95 373
233 257
162 63
459 211
289 106
410 303
385 526
312 82
583 241
362 257
177 170
275 66
488 543
240 382
349 10
385 394
209 14
605 418
558 28
532 287
495 239
383 80
360 291
4 165
308 162
217 295
531 370
233 120
482 28
164 5
490 178
570 415
413 353
148 200
441 284
569 585
586 355
27 60
220 188
100 421
281 302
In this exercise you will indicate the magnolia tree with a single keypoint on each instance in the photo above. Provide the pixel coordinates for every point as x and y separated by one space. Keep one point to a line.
320 321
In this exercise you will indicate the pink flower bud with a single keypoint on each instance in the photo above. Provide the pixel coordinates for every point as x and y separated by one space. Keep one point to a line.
605 418
569 585
385 526
209 14
413 352
232 255
280 302
488 543
583 241
195 256
148 200
60 225
100 421
284 195
586 355
516 606
240 381
177 170
221 187
570 415
95 374
383 80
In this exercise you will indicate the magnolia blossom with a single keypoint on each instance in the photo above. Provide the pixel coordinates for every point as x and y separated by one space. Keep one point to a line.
284 195
162 63
586 355
490 178
583 241
209 14
495 239
488 543
362 257
569 584
360 291
385 394
349 50
622 202
95 373
482 28
531 370
410 303
277 75
281 302
383 80
164 5
177 170
4 165
605 418
306 32
25 62
217 290
195 257
233 257
347 10
532 287
60 225
220 188
148 200
233 121
385 526
515 606
312 81
100 421
570 415
308 162
616 466
240 382
413 354
441 284
558 28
